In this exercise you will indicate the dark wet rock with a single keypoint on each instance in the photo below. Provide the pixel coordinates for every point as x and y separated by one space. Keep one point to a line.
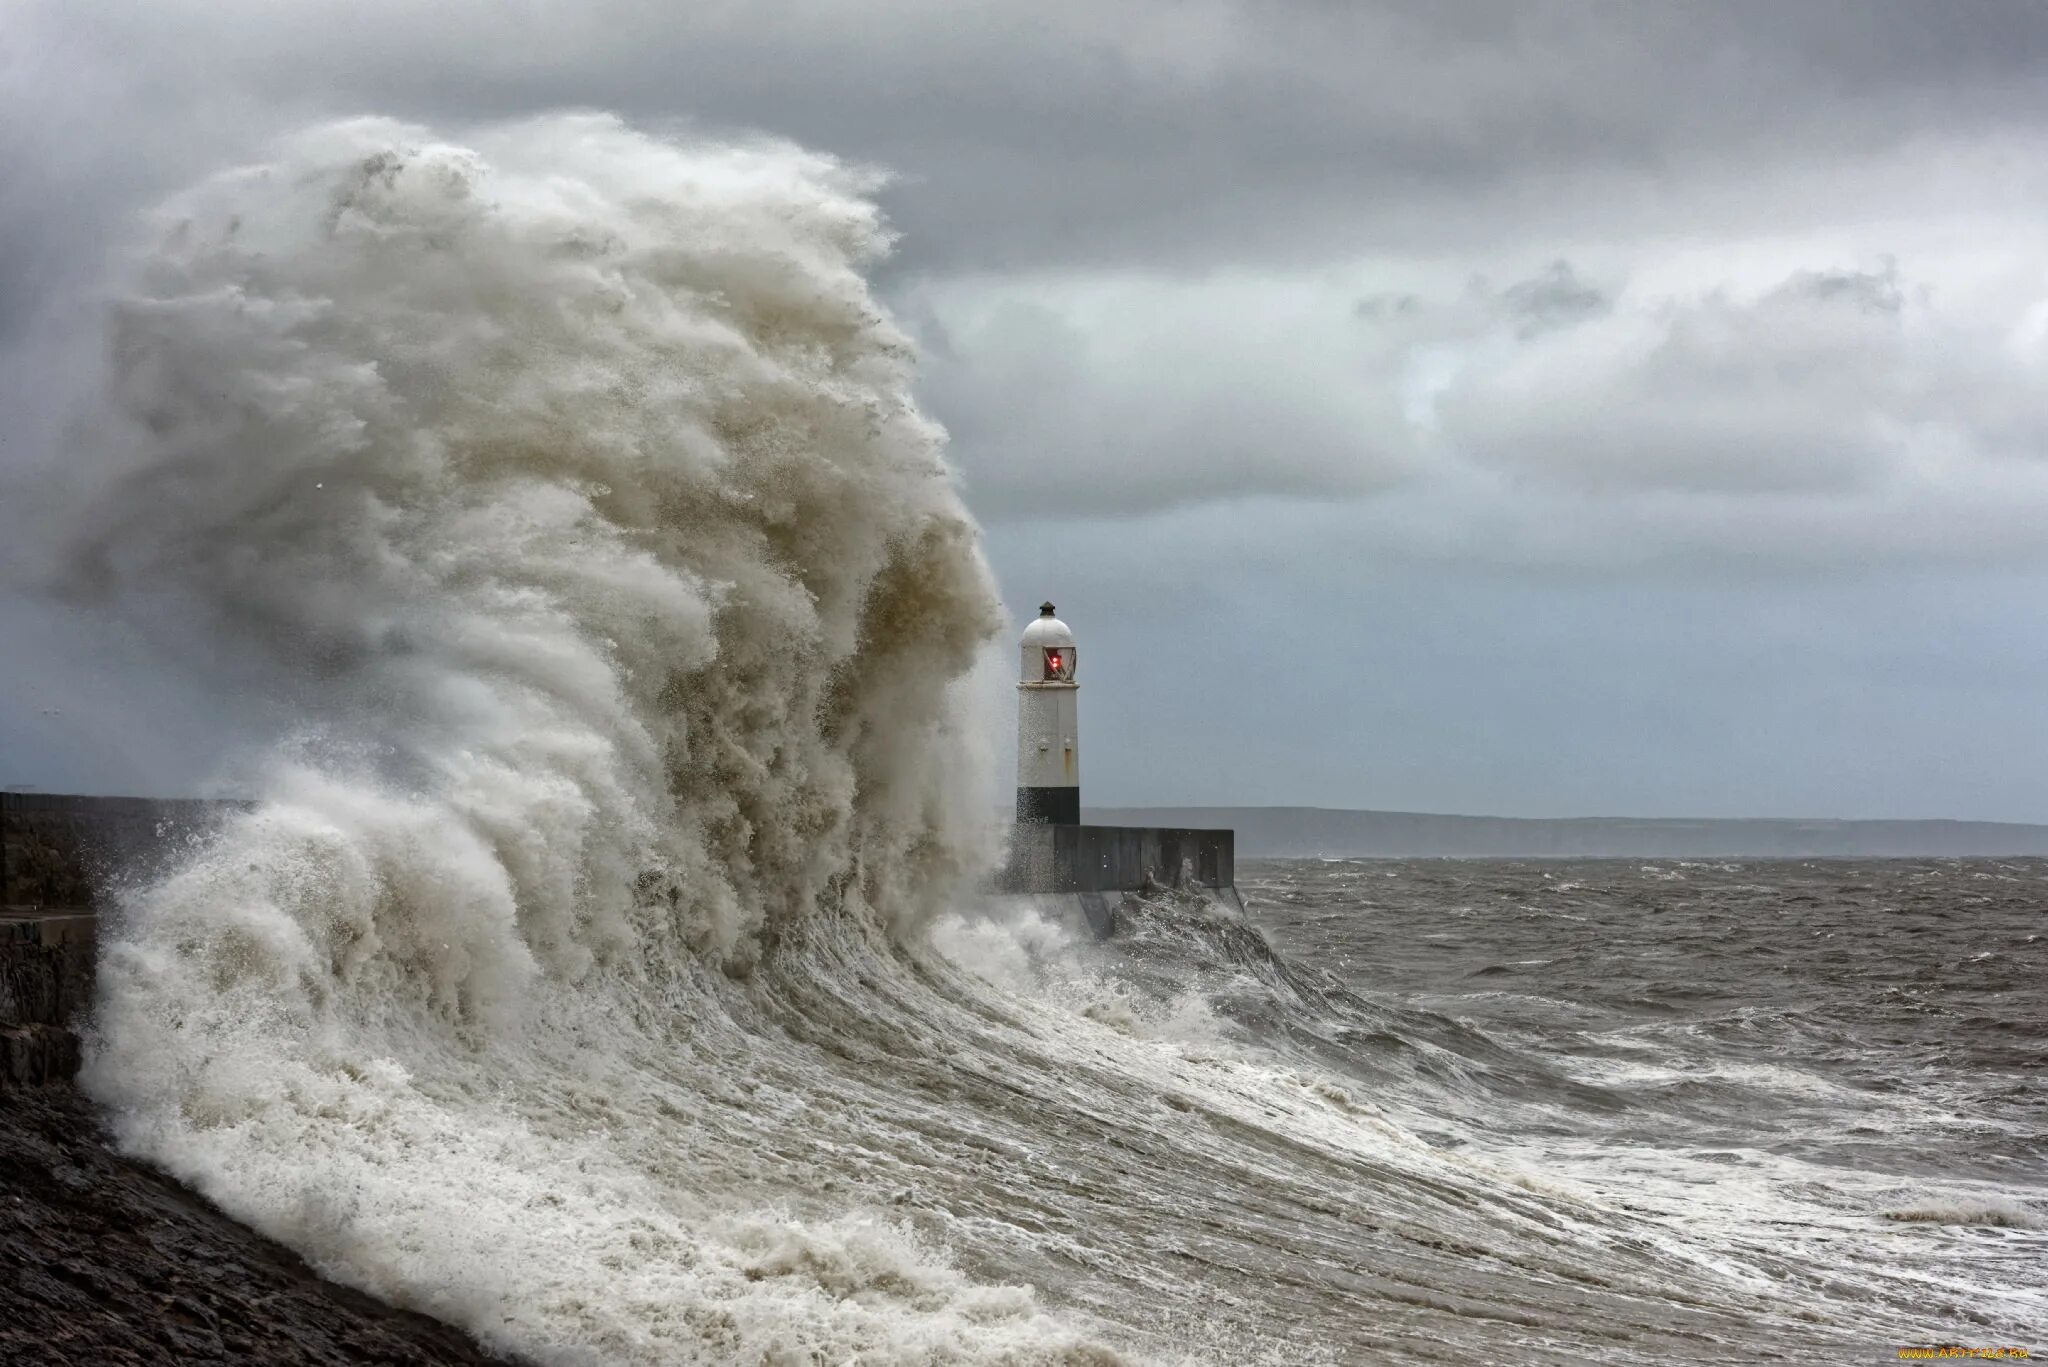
36 1056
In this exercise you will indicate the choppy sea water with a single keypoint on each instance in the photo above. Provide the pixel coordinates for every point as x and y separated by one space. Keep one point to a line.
1673 1110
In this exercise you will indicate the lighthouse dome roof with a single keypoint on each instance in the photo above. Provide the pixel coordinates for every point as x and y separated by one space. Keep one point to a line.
1047 631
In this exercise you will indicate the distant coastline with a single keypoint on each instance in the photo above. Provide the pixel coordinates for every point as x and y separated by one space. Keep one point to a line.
1308 832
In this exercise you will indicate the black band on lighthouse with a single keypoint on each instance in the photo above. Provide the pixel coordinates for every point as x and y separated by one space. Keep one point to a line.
1049 806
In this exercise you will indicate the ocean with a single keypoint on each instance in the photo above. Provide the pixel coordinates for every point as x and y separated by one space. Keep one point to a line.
1797 1106
600 967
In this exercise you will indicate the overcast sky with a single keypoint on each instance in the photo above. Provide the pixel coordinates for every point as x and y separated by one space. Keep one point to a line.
1485 407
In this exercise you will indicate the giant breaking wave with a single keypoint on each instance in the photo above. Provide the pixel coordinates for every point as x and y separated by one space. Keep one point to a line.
574 477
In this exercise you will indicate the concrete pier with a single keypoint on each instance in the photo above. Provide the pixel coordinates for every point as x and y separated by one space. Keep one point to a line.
58 850
1092 869
1055 858
46 967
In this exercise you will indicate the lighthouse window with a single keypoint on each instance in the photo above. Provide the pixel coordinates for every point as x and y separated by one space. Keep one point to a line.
1059 664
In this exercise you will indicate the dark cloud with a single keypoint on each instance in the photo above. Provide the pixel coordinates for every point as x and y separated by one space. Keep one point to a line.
1762 298
1555 298
1182 133
1171 149
1387 305
1874 291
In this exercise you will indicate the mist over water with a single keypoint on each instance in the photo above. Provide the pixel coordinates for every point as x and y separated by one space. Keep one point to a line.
602 971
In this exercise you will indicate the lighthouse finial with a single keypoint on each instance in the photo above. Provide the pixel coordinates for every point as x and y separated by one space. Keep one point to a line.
1045 609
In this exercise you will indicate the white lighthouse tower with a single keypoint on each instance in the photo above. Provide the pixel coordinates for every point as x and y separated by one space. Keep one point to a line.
1048 741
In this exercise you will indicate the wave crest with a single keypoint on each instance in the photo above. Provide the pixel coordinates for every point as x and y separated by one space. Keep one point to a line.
573 479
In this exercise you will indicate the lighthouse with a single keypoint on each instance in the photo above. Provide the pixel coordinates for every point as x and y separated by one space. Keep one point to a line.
1048 749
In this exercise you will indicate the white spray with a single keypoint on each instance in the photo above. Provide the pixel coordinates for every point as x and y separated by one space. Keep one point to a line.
574 477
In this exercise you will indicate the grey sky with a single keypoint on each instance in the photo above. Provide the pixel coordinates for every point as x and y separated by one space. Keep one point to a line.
1515 407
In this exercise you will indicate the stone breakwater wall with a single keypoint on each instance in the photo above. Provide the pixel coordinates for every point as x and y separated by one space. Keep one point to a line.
1091 870
61 852
59 857
46 963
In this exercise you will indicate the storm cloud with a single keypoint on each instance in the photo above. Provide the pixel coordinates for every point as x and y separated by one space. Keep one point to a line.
1611 311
